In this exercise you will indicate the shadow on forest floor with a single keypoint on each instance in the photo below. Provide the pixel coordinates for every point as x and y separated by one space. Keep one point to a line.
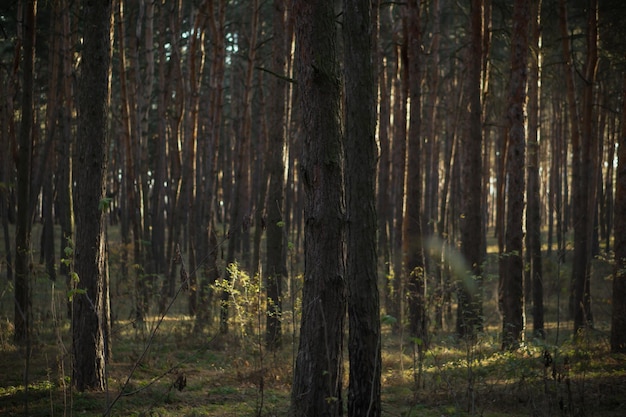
186 374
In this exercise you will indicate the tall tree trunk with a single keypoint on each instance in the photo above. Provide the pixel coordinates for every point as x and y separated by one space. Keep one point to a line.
512 281
239 220
176 212
64 169
413 251
618 313
130 199
90 320
581 279
446 228
211 272
432 140
6 129
469 313
52 133
23 226
193 168
580 263
432 156
384 206
361 154
276 252
609 187
157 205
399 149
318 370
533 213
261 177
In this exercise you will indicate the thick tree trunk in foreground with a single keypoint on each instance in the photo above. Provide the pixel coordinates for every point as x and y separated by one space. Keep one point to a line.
361 157
318 371
91 320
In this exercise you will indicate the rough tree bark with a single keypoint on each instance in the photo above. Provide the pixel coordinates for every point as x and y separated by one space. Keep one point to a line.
361 153
90 321
318 371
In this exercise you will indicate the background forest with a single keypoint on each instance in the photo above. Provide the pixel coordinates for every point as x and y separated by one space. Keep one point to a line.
182 182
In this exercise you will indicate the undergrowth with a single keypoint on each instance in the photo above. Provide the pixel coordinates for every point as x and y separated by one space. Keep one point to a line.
186 374
166 367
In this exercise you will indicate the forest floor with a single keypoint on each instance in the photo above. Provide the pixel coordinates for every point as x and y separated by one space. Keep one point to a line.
182 375
176 371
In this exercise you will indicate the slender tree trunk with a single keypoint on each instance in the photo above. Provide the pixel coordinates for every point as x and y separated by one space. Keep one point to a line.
443 280
64 170
52 133
618 313
469 313
413 252
384 206
157 205
129 198
23 226
194 189
589 175
211 273
580 261
533 213
513 285
610 188
318 374
399 147
6 128
261 178
276 254
432 143
446 228
175 212
239 220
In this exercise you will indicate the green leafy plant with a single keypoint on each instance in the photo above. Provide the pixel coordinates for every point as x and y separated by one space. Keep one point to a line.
244 297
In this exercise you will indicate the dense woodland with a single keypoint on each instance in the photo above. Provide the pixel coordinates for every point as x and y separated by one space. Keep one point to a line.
312 173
